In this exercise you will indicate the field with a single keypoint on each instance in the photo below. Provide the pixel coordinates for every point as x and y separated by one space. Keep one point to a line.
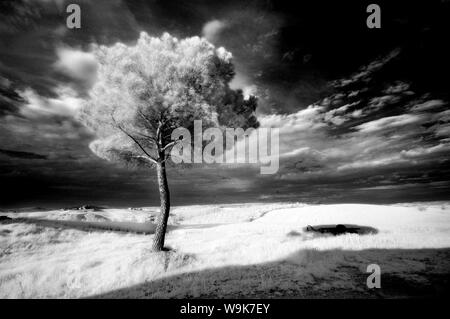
243 250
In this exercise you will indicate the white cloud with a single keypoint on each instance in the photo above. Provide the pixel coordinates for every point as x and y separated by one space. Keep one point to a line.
384 161
212 28
307 147
379 102
66 103
389 122
398 87
428 105
443 130
298 151
422 151
356 113
76 64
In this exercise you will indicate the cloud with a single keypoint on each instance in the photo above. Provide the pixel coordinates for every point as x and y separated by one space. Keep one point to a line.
428 105
66 103
344 135
77 64
212 32
443 131
212 28
373 163
10 99
18 16
366 73
252 34
390 122
58 3
398 87
424 151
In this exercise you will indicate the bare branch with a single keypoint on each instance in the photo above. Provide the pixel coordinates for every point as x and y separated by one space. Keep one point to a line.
151 138
158 133
134 140
171 145
145 158
138 144
145 118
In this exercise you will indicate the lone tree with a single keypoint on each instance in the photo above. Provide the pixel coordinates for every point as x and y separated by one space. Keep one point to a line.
143 92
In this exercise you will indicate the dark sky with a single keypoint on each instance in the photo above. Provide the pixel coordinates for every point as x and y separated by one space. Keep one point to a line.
363 113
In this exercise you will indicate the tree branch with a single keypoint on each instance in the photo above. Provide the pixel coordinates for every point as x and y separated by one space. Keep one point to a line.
171 144
134 140
145 157
151 138
145 118
138 144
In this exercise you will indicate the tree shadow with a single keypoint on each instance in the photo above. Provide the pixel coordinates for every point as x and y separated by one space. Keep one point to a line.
310 273
103 225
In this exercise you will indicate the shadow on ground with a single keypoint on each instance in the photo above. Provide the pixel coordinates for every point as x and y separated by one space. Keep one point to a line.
144 228
104 225
405 273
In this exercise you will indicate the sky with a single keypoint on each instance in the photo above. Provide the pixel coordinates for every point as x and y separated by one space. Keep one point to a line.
363 113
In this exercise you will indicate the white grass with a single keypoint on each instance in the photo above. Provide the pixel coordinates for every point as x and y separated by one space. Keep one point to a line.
223 250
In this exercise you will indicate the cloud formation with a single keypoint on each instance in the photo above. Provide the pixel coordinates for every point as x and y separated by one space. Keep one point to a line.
212 28
344 134
66 103
76 64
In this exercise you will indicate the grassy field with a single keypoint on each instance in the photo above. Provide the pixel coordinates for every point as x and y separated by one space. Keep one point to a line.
245 250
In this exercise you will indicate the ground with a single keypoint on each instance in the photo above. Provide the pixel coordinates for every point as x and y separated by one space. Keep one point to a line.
241 250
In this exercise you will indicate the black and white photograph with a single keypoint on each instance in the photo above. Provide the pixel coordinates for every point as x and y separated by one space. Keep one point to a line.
240 150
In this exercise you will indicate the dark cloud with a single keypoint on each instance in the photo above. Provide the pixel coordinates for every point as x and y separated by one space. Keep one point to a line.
10 100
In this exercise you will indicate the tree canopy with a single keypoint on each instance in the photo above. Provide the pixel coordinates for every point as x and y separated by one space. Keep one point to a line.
143 92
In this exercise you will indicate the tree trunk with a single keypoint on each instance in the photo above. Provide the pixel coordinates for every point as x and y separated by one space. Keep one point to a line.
160 233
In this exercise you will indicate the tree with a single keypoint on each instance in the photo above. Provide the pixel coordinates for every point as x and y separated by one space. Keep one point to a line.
143 92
